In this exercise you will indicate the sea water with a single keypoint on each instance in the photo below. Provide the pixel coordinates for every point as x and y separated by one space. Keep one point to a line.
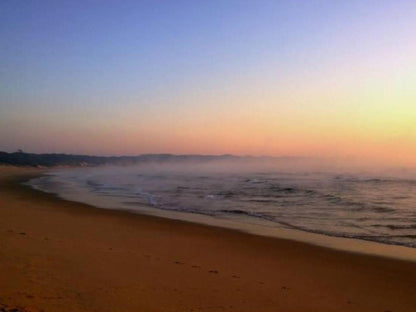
354 204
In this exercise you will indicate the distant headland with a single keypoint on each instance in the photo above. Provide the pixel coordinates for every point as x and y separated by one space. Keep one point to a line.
21 158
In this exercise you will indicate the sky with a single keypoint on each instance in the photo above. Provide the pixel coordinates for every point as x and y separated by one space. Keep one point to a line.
294 78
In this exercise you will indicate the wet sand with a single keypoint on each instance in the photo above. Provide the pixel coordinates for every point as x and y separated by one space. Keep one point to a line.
57 255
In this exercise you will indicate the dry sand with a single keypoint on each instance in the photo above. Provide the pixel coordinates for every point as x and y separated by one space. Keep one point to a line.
57 255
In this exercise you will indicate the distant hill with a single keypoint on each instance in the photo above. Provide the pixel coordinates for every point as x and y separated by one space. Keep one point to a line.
51 160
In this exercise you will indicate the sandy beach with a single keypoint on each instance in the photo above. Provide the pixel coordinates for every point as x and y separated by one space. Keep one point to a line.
57 255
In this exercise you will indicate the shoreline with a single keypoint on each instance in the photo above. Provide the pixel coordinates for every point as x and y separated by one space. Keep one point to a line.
74 257
341 243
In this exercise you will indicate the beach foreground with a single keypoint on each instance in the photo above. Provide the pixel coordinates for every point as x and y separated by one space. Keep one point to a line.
57 255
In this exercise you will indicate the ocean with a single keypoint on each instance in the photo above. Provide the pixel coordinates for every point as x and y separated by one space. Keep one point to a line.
371 205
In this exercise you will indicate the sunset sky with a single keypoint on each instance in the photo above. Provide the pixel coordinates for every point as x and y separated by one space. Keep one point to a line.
304 78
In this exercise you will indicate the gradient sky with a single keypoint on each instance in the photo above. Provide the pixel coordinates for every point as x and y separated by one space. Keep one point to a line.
307 78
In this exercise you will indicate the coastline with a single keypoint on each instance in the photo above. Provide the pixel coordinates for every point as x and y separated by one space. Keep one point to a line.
59 255
343 243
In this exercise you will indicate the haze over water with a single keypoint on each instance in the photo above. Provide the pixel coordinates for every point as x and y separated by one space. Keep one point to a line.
364 204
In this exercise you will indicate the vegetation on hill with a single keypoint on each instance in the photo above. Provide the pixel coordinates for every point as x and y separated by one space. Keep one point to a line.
21 158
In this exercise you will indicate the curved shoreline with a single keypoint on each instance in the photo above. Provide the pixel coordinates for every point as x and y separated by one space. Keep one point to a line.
341 243
58 255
